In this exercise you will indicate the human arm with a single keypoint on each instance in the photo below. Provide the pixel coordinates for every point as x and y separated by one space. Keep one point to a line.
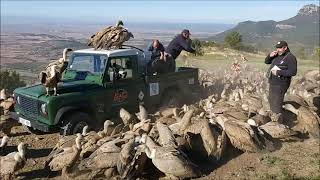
270 57
161 48
186 45
292 67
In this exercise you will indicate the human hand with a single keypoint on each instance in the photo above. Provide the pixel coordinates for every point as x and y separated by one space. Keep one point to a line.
274 72
273 53
162 57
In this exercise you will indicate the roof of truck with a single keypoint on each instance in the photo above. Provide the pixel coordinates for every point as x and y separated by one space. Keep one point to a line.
110 53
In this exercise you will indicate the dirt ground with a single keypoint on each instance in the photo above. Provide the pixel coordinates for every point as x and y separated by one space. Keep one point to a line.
292 160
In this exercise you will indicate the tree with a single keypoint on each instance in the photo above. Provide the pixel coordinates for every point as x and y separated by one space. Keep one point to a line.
233 39
316 53
10 80
197 45
301 53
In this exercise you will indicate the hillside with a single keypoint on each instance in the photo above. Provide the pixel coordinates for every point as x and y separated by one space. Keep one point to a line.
301 30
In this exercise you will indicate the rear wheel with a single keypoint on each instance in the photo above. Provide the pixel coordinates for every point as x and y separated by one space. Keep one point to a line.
75 123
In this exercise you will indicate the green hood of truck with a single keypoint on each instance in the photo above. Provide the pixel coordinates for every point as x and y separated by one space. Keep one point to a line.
66 86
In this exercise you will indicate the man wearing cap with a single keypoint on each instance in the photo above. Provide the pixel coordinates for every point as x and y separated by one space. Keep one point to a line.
283 67
173 50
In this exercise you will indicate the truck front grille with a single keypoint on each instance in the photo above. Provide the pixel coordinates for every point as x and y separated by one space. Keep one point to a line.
29 106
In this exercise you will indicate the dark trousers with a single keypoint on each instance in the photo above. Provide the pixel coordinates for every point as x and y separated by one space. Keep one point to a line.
158 66
276 96
171 63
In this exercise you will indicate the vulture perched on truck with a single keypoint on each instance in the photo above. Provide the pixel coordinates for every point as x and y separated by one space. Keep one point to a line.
52 75
110 37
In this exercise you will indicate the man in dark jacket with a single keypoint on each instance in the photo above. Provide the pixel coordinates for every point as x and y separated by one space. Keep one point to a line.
157 50
157 64
173 50
283 67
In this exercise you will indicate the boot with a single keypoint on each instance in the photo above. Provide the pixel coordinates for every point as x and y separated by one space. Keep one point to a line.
277 117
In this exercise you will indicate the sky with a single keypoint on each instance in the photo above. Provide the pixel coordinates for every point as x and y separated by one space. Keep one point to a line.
228 12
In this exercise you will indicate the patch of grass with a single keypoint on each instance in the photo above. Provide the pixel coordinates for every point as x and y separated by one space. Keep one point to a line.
286 175
214 61
271 160
316 159
282 175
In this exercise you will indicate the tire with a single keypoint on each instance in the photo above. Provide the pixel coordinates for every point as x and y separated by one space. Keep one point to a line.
33 130
171 98
74 123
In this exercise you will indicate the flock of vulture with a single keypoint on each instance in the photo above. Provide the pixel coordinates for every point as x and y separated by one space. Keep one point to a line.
168 143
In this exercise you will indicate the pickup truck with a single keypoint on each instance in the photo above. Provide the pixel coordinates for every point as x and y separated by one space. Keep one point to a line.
95 85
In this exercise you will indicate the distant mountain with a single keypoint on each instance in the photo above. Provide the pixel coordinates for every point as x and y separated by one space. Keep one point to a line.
299 31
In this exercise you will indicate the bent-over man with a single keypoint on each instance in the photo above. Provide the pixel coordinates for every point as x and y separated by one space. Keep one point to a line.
180 42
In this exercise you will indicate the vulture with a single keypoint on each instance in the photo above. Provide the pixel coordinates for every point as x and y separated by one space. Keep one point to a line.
12 162
53 73
65 159
169 160
245 137
6 104
308 122
103 159
110 37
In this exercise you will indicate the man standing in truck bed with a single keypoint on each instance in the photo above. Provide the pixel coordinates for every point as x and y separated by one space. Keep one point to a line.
173 50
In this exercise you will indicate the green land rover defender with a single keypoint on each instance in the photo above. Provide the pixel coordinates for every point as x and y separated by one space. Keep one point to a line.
95 85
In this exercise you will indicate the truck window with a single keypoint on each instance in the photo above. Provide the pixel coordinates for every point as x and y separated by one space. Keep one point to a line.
91 63
123 65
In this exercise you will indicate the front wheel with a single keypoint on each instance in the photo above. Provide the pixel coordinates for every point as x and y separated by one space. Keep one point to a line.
75 123
33 130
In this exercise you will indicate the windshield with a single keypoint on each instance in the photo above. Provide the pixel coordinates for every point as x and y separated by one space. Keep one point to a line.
92 63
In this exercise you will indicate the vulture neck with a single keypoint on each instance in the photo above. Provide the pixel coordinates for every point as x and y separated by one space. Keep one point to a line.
106 127
17 157
21 151
85 131
64 55
151 154
4 141
78 143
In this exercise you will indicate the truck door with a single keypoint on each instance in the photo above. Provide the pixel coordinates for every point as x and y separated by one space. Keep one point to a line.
122 72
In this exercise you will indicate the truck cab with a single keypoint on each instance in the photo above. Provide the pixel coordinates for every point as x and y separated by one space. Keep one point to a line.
95 85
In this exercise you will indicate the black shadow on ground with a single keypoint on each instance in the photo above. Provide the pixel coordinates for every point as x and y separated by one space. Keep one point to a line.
37 153
39 173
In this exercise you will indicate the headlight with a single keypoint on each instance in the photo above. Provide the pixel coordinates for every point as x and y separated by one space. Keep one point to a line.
44 109
18 100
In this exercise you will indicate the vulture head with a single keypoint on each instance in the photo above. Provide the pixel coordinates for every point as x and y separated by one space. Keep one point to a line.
64 55
130 35
119 23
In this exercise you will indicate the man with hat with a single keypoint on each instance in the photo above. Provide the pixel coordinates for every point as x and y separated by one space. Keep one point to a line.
173 50
283 67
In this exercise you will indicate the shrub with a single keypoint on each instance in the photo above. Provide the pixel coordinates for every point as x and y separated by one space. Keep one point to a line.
233 39
10 80
197 45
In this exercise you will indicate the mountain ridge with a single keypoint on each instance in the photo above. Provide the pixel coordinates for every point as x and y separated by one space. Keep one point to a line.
301 31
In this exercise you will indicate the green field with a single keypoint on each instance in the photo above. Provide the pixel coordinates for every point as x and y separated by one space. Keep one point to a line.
217 61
